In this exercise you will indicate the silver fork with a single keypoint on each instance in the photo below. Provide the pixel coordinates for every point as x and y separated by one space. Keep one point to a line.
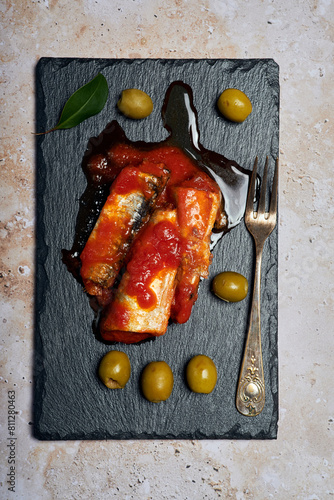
250 396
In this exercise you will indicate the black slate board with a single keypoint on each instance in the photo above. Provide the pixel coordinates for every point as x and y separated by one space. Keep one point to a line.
69 400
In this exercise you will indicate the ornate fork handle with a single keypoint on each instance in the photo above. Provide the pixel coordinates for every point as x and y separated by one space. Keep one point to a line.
250 397
251 391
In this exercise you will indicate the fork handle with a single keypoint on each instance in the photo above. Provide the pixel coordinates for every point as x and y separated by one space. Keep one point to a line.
250 396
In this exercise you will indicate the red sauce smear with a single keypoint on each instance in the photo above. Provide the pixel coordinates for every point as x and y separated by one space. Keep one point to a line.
181 167
159 249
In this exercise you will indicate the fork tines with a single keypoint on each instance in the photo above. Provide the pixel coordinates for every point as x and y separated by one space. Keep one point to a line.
262 200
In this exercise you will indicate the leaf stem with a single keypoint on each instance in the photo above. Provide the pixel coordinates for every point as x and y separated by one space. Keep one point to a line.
43 133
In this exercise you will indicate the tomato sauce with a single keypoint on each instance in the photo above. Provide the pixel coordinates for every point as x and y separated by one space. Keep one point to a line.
181 167
158 248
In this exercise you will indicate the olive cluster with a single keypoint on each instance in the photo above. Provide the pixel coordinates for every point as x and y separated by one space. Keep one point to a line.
157 378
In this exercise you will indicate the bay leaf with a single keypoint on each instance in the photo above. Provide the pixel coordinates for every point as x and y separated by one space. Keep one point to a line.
87 101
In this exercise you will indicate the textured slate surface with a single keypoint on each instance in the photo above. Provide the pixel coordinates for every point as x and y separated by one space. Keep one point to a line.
69 400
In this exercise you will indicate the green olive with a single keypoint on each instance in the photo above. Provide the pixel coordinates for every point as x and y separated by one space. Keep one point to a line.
115 369
230 286
234 105
135 103
201 374
157 381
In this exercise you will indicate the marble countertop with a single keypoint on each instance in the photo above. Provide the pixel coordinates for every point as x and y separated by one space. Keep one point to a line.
299 37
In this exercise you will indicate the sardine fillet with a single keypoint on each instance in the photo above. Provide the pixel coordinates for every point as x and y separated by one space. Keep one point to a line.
125 319
197 211
131 199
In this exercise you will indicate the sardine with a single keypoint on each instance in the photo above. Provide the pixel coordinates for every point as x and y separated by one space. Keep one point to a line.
141 305
132 197
196 211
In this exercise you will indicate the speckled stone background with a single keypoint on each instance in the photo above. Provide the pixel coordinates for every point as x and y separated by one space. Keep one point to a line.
299 37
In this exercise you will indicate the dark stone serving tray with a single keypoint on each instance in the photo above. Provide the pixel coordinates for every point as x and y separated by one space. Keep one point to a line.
69 400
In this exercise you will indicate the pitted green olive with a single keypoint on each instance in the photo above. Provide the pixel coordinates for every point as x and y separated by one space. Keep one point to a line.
157 381
234 105
135 103
201 374
230 286
115 369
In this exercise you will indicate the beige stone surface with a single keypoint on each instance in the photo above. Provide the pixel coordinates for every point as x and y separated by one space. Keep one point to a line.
299 36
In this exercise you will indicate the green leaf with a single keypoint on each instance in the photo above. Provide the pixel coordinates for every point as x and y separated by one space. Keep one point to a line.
87 101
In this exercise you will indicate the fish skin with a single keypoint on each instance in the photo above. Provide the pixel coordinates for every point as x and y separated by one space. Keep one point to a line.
121 218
